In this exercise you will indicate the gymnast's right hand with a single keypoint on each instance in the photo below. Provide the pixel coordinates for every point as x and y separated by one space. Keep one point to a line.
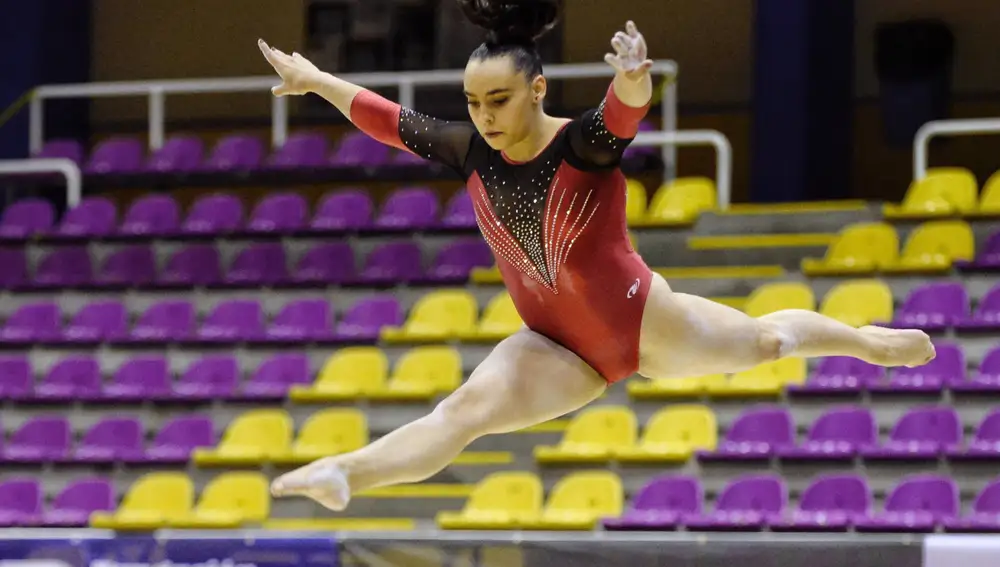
298 75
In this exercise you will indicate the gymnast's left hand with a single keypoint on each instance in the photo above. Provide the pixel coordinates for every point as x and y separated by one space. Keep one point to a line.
630 56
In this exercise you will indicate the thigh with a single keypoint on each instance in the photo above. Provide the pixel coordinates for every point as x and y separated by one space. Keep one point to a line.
526 380
685 335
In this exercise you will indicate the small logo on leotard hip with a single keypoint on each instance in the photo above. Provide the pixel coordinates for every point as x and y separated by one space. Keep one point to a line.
633 290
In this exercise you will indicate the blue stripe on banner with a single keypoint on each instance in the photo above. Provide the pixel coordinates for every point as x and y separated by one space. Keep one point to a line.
179 552
961 551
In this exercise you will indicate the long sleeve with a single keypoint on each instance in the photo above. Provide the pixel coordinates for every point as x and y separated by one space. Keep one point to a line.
388 122
599 137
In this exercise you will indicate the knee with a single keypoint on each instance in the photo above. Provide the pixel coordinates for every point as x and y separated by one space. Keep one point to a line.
771 343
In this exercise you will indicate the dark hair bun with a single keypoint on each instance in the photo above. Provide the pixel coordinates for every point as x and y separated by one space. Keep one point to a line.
512 21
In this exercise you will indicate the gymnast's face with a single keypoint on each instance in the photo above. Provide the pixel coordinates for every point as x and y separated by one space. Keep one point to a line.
503 104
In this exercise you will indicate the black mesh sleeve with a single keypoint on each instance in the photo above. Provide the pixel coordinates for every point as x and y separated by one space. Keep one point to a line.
592 142
437 140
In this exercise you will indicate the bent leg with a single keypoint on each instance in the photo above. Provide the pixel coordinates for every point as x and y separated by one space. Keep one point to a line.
686 335
526 380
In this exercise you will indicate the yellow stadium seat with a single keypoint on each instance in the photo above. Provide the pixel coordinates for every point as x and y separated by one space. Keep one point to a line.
859 302
592 436
152 502
636 201
500 320
422 373
772 297
681 202
989 202
767 379
350 373
673 388
437 316
230 500
255 437
673 434
933 246
500 501
328 432
861 248
944 192
579 501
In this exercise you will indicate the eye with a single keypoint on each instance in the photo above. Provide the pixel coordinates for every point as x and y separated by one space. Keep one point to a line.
473 104
500 101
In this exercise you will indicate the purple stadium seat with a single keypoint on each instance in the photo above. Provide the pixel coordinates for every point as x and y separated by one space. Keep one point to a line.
38 440
73 505
409 208
33 322
214 214
921 433
197 265
214 376
66 266
919 503
838 434
357 149
129 266
345 210
20 502
933 307
15 268
948 366
72 378
27 218
179 437
233 320
139 379
16 378
115 155
365 319
302 320
93 217
746 503
111 439
280 213
985 380
97 322
391 263
460 213
455 262
236 152
259 265
408 158
276 375
165 321
152 215
831 503
756 434
985 443
179 154
987 257
985 514
332 263
301 150
662 504
62 148
986 317
839 375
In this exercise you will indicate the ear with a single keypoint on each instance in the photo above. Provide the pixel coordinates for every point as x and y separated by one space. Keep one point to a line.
538 88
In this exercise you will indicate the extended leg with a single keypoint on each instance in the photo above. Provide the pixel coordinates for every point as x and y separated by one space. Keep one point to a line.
526 380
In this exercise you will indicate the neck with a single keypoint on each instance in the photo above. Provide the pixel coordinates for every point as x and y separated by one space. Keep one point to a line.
540 136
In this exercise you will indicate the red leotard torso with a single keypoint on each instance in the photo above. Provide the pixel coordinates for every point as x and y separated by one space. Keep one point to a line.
556 224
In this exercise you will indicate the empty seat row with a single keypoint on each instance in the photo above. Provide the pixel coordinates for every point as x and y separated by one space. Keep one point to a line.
873 247
255 265
23 502
831 503
159 216
947 192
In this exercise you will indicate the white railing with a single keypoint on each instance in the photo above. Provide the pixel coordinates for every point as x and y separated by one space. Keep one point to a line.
723 154
66 167
921 141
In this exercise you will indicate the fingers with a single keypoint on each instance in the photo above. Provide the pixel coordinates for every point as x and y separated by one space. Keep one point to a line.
614 61
266 50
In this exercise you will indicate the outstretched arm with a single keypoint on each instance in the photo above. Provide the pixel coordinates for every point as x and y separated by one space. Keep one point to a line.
373 114
600 136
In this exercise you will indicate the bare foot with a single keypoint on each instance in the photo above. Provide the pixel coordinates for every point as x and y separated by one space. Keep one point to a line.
899 347
323 481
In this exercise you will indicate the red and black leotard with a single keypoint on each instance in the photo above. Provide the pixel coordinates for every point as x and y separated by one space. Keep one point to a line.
556 224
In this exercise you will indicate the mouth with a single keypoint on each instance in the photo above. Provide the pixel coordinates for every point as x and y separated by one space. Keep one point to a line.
493 135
